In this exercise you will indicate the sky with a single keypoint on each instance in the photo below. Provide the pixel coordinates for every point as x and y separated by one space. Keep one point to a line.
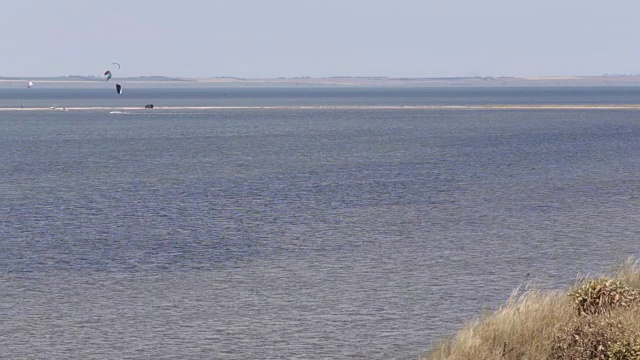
320 38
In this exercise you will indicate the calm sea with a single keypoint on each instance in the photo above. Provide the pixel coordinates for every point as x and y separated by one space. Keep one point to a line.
299 233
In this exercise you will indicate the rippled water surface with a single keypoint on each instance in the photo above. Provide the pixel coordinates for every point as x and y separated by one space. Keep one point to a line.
136 94
298 234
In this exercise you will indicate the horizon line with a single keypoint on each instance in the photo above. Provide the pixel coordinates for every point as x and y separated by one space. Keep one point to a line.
303 77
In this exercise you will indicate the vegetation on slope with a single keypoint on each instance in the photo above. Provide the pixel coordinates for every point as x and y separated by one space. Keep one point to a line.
597 319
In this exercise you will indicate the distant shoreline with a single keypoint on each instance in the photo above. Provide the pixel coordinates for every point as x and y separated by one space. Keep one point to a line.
628 80
338 107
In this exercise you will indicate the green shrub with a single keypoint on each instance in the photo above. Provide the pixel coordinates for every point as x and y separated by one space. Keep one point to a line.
627 349
601 337
602 295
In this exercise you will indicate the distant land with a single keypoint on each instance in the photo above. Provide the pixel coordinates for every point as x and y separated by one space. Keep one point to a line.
91 81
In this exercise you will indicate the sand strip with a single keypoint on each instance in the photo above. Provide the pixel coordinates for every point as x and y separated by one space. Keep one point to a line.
342 107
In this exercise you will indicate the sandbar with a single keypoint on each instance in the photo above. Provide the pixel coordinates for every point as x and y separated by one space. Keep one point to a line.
342 107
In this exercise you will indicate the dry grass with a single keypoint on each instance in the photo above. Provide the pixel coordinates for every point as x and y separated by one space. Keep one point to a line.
629 273
537 325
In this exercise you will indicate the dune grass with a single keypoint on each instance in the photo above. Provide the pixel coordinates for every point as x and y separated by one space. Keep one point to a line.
597 319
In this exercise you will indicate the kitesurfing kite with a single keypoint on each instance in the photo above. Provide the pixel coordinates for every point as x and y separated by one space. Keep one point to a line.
119 89
108 74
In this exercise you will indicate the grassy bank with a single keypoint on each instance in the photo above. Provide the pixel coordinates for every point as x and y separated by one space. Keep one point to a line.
598 318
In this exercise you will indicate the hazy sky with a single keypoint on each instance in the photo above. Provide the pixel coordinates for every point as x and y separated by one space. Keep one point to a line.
272 38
